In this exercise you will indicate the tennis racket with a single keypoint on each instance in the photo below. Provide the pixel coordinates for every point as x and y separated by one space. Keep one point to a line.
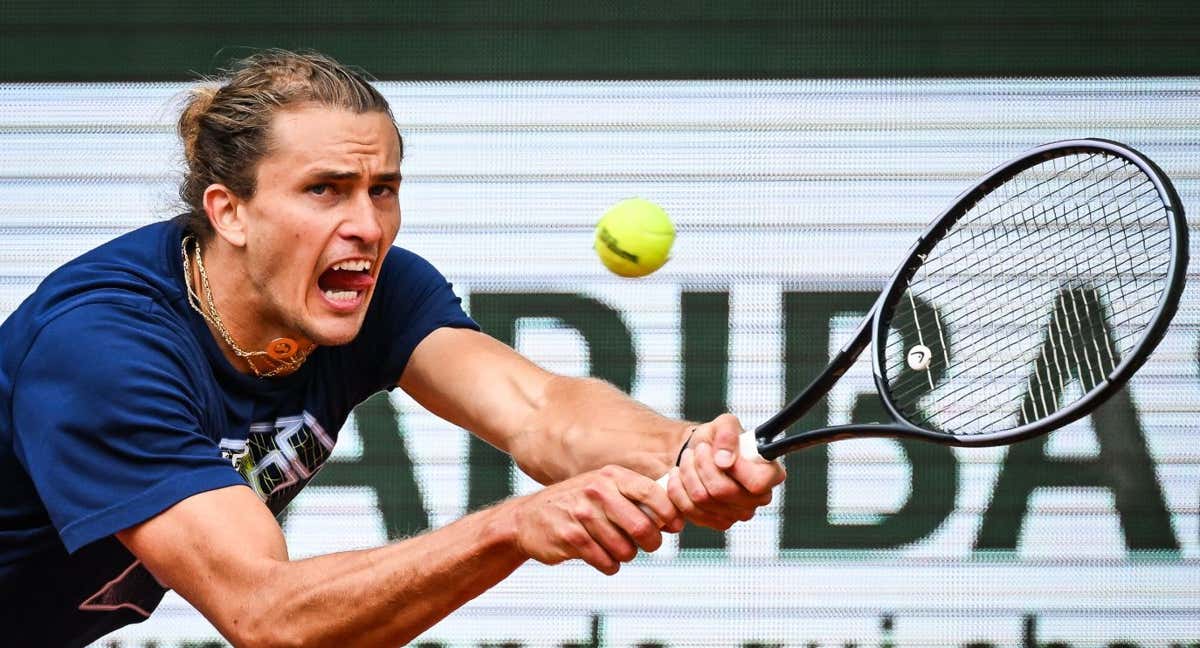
1024 306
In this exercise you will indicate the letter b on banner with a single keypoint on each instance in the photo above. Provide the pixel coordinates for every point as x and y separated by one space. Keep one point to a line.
609 343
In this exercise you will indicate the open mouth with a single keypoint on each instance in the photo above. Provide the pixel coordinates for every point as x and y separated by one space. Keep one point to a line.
346 281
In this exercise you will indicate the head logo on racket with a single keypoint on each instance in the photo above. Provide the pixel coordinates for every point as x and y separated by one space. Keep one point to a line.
919 357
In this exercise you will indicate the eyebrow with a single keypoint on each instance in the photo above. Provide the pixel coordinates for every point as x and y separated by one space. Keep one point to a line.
333 174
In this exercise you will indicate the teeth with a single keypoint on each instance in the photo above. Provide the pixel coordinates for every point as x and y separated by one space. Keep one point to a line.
358 265
341 295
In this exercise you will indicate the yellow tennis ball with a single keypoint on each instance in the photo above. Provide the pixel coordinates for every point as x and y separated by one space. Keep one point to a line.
634 237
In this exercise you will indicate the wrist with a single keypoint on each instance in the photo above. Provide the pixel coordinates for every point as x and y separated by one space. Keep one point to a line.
689 430
501 528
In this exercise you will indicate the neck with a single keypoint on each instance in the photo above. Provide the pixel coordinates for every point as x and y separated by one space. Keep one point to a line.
259 349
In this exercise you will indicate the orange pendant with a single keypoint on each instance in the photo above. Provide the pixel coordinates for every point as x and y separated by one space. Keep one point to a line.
282 348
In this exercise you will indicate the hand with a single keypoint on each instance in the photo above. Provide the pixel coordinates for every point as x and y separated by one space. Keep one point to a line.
601 517
713 485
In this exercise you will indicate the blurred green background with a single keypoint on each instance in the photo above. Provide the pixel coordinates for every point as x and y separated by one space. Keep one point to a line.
506 39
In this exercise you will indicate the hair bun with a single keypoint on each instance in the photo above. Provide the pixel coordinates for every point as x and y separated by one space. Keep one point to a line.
200 99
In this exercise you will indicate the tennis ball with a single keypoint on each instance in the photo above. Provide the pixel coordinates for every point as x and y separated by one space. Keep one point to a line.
634 237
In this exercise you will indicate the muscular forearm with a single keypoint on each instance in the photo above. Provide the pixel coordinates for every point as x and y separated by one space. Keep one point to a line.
581 424
384 596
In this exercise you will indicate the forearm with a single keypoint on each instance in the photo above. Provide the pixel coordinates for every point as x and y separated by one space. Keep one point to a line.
581 424
384 596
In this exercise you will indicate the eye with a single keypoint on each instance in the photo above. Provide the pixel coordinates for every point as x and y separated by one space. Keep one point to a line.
380 191
319 189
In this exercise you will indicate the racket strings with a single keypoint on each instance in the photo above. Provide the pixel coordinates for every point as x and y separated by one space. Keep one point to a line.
1057 333
1158 268
1021 233
1013 362
985 231
1047 281
995 253
1055 367
1058 270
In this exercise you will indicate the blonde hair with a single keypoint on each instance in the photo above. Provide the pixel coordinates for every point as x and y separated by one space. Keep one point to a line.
225 123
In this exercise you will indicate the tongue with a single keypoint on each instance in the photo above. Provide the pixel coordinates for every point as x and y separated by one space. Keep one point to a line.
344 280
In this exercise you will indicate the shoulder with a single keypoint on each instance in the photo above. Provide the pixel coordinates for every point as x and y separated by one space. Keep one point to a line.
412 299
147 259
406 267
109 344
128 280
409 284
137 267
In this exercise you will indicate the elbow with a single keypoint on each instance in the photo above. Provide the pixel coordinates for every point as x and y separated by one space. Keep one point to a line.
264 618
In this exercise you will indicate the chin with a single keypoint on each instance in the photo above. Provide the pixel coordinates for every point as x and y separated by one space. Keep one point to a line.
333 333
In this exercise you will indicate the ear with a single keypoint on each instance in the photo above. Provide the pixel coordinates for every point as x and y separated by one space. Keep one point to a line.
222 207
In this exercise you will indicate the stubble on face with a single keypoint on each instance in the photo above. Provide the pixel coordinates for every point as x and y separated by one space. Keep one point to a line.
326 196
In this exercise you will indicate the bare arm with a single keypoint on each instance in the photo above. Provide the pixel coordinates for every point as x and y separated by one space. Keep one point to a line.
255 596
223 552
556 426
553 426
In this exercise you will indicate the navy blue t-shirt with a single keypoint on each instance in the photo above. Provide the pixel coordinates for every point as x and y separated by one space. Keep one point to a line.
116 403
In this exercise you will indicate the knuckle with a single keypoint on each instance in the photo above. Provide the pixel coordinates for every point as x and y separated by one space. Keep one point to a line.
640 528
684 505
723 490
575 536
760 483
584 513
593 491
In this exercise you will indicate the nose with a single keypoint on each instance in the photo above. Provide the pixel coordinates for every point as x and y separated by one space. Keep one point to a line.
362 221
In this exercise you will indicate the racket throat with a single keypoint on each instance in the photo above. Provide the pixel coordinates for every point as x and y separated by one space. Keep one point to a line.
781 444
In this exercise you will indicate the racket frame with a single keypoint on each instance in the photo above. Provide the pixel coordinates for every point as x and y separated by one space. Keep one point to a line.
874 327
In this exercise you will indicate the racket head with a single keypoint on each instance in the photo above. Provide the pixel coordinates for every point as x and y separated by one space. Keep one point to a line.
1096 248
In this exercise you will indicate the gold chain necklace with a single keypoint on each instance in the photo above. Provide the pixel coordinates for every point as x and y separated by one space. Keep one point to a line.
283 352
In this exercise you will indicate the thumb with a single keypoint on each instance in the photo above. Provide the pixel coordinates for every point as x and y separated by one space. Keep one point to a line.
725 441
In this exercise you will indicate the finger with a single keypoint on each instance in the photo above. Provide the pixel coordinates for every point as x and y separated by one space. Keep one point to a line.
650 498
616 522
704 509
674 490
730 502
595 555
678 494
723 488
726 430
599 544
697 494
633 523
758 477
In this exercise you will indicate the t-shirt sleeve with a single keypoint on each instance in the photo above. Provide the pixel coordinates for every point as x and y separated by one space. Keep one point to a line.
412 300
108 424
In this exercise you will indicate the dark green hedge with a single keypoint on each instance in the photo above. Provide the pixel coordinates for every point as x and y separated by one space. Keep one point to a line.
506 39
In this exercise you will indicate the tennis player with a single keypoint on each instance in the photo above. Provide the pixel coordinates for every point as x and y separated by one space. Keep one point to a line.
165 394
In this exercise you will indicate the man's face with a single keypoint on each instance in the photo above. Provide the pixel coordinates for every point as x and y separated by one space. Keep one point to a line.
324 213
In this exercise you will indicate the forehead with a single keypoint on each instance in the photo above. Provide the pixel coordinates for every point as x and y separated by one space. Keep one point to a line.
311 134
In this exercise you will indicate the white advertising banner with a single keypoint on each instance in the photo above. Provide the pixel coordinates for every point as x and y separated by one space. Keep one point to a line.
793 202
